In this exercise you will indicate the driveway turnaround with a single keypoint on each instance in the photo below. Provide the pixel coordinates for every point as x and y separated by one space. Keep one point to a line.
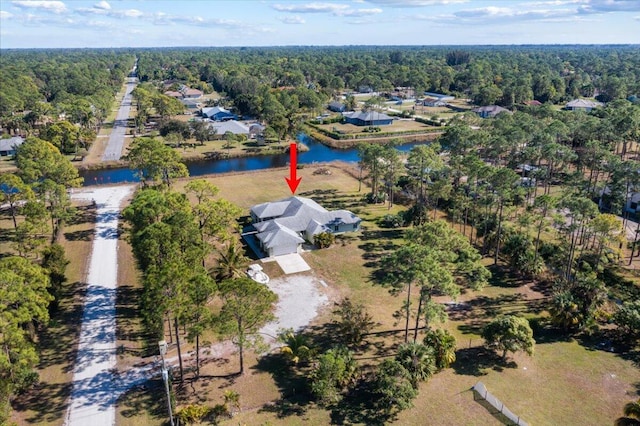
95 384
113 151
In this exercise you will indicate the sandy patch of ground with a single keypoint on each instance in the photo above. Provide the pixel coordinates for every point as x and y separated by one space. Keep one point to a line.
300 299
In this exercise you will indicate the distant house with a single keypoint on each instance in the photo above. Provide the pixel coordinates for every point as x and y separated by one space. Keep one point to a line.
8 146
365 89
533 103
191 104
439 96
585 105
218 114
490 111
235 127
282 226
189 93
368 118
256 130
337 106
173 94
433 102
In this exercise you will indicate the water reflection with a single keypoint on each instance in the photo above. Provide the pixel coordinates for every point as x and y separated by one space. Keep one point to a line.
317 153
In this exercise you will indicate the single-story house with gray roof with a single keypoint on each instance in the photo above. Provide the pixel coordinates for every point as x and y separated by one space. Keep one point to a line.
336 106
368 118
218 114
282 226
585 105
8 146
490 111
235 127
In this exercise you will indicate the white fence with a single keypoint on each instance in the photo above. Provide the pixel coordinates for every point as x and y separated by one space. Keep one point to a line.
508 416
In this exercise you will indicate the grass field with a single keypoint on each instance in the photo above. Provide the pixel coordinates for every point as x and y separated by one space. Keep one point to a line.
567 381
395 126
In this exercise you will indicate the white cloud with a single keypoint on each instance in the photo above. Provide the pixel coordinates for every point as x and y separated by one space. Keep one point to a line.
310 7
358 12
102 5
553 3
292 19
131 13
331 8
48 6
114 13
5 15
604 6
415 3
98 24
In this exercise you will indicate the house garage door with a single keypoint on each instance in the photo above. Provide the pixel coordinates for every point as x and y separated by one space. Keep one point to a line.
284 249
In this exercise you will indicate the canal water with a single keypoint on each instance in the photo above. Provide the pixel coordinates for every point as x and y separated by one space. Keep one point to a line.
318 153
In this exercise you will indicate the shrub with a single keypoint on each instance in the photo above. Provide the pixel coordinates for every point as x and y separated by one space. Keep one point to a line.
392 221
192 413
324 239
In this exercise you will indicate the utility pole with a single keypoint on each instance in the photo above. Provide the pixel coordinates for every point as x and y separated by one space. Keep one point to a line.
162 345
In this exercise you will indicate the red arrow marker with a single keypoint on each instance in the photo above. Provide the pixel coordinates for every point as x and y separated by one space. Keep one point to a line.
293 180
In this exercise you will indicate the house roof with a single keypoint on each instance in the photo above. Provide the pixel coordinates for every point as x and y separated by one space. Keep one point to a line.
275 235
439 96
173 94
11 143
533 103
336 104
297 213
190 102
210 111
232 126
315 228
583 103
368 116
190 92
492 110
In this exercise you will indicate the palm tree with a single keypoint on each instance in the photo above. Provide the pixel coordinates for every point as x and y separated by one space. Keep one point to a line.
565 312
444 347
418 360
631 415
230 263
296 348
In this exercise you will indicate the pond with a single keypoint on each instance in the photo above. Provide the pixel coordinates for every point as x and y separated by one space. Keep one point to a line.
318 153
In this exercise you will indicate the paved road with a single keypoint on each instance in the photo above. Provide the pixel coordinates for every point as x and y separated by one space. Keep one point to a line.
113 152
95 385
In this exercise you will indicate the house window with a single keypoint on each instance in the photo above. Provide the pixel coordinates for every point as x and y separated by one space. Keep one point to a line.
355 226
336 228
634 206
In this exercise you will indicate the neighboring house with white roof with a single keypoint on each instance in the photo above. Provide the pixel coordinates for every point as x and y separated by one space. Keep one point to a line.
191 104
8 146
218 114
585 105
439 96
282 226
235 127
367 118
490 111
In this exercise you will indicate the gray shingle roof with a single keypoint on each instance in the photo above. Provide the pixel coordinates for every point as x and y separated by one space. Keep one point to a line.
295 215
232 126
11 143
583 103
275 235
368 116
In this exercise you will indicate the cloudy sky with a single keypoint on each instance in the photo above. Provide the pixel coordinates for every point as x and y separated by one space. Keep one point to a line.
139 23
